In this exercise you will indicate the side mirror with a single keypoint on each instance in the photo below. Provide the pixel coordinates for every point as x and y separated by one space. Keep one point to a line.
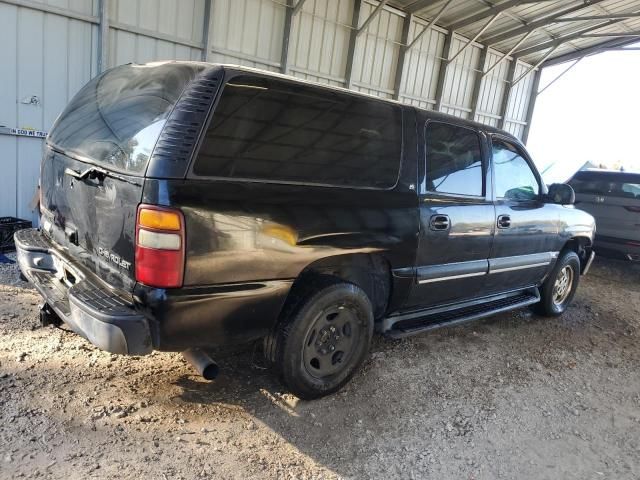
562 194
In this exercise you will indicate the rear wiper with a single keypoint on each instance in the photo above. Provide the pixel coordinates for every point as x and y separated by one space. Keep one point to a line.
97 172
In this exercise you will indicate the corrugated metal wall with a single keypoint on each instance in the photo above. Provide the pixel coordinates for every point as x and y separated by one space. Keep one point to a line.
422 66
376 52
319 41
516 114
461 75
51 48
247 32
492 90
45 58
147 30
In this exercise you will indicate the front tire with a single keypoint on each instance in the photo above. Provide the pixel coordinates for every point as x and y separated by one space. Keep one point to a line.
558 289
323 339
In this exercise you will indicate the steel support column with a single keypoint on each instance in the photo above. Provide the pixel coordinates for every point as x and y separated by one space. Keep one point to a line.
103 35
284 54
442 74
511 73
532 104
206 28
290 13
477 83
402 53
355 19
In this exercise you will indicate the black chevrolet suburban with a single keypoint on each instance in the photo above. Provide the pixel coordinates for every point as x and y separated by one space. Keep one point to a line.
187 206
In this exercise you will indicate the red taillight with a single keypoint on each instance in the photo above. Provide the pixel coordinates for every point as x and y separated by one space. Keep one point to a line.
160 236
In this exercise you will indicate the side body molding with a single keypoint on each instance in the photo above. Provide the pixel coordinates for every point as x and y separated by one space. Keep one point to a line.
452 271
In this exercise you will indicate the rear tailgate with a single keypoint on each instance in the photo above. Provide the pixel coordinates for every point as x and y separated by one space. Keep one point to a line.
93 218
93 169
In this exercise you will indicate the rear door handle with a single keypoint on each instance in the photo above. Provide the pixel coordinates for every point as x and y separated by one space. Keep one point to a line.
439 222
504 221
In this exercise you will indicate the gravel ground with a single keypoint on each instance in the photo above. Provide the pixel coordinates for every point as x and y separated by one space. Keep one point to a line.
514 396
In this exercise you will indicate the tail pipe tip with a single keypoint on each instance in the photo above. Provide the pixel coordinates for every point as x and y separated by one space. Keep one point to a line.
202 362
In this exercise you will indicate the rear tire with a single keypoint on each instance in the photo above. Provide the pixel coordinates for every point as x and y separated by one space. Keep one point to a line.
323 339
558 289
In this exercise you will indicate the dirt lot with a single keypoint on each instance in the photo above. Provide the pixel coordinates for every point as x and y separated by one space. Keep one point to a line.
514 396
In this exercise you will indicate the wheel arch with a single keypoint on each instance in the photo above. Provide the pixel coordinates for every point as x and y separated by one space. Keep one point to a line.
582 246
370 272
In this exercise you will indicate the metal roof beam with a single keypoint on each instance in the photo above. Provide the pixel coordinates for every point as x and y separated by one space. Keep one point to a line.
537 23
593 49
533 67
475 37
609 16
612 34
492 10
564 39
430 24
373 15
298 6
419 5
558 77
501 59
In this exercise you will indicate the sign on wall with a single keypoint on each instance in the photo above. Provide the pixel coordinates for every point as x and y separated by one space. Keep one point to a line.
22 132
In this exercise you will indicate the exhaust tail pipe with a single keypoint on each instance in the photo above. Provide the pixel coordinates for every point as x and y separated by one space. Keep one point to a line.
203 363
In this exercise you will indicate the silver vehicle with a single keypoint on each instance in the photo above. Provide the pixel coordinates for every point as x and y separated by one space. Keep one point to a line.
613 198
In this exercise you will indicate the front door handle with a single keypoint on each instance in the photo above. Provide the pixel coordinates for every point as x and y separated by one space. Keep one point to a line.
439 222
504 221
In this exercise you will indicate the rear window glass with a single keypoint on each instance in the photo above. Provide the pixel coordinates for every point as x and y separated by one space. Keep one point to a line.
454 160
273 130
606 188
115 119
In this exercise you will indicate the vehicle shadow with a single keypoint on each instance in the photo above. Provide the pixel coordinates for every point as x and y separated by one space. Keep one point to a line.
336 432
412 390
408 391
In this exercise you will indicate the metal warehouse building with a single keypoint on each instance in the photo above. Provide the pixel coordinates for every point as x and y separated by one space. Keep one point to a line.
476 59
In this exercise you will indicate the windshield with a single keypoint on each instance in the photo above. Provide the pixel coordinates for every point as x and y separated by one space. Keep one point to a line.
116 119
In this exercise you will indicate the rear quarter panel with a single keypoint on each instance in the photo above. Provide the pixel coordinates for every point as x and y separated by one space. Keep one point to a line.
244 231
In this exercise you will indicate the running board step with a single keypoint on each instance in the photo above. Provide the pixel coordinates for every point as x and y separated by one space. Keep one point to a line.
439 318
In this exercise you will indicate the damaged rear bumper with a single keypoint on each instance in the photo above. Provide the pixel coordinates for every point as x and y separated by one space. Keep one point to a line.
100 314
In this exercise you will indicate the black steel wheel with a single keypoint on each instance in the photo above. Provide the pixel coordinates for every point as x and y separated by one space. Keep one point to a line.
323 339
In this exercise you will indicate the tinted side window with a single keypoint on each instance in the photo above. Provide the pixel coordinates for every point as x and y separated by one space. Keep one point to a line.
454 160
514 178
607 188
273 130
